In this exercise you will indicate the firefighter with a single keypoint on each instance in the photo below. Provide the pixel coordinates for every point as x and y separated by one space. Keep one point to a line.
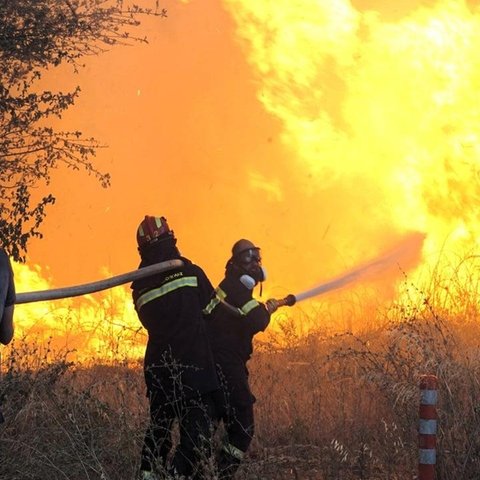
7 303
234 317
179 370
7 299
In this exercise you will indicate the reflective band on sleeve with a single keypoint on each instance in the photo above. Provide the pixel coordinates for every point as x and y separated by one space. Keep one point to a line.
211 305
427 427
427 456
234 451
220 296
164 289
249 306
428 397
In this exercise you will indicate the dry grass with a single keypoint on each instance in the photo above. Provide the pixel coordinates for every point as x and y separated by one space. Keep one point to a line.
330 406
69 422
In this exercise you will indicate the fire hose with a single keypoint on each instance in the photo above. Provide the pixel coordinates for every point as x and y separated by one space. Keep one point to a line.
86 288
401 252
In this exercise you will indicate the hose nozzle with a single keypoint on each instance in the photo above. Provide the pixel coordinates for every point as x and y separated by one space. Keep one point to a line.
272 304
288 301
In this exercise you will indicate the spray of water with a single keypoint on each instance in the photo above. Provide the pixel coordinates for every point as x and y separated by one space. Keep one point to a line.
402 257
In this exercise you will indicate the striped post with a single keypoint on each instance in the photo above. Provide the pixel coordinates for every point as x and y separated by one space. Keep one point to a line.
427 431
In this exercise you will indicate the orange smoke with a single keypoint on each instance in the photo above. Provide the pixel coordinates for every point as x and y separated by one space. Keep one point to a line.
322 130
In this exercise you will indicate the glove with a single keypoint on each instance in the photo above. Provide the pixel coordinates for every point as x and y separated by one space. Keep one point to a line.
271 305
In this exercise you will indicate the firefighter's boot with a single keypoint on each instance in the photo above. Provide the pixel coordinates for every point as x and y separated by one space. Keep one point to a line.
228 462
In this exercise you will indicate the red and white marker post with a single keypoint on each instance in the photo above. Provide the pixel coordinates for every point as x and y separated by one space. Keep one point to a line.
427 431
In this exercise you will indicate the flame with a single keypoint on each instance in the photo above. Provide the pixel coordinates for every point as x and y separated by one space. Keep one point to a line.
102 325
390 106
323 130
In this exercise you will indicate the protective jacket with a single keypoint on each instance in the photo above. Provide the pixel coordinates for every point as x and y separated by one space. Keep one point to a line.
234 319
7 285
169 306
7 290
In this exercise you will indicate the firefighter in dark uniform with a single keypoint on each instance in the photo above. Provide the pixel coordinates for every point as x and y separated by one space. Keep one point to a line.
7 299
179 369
234 318
7 302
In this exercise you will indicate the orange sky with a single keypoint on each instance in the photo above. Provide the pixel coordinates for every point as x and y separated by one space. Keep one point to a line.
324 131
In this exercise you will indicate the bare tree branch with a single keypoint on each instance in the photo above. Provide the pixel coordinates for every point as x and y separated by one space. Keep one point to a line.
36 35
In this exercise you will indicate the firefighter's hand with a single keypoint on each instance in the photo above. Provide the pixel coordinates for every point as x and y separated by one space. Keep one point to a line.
271 305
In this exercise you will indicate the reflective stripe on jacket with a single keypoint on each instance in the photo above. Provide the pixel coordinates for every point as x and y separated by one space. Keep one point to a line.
164 289
219 298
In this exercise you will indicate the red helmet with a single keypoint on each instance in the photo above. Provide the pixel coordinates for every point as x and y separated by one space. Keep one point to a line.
152 229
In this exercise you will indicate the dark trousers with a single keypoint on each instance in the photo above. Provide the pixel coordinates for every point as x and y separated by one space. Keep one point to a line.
194 416
239 428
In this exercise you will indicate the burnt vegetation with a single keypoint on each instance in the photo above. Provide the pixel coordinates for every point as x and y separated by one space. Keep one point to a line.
36 36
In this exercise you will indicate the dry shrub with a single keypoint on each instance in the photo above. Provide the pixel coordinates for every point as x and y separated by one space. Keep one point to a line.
65 421
330 406
345 406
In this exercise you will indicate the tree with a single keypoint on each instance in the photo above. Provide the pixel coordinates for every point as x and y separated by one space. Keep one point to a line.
36 35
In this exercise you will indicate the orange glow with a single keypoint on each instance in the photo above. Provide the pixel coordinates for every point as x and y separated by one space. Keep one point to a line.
323 130
100 325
